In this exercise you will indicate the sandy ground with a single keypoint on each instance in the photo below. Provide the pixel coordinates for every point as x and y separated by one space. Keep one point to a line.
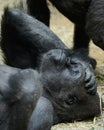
64 29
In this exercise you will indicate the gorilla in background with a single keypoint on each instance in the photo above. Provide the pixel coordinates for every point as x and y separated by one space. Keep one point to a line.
63 90
62 87
87 15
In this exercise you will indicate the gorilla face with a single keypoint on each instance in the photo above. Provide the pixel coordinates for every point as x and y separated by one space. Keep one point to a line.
64 68
68 82
60 69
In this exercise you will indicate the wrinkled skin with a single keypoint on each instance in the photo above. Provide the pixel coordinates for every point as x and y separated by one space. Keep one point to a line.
87 16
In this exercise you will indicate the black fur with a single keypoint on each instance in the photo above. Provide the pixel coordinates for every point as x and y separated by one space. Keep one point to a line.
63 90
19 92
87 15
95 22
24 40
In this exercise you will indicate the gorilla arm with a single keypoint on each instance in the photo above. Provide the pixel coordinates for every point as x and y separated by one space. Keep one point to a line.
25 39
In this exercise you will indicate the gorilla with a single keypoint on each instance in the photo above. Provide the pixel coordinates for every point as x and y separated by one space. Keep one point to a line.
60 88
87 15
63 90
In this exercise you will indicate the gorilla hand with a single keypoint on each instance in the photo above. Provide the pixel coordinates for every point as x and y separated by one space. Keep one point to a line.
90 81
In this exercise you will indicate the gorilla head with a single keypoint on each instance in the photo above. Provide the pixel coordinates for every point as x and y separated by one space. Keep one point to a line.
67 78
69 82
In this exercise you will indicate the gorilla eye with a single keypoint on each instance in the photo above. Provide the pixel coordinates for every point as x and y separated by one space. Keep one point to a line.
73 62
70 62
74 65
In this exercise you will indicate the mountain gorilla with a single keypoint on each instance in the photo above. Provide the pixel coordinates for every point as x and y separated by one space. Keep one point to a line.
63 90
87 15
62 87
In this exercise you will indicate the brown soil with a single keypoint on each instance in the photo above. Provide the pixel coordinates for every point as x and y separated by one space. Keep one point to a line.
64 29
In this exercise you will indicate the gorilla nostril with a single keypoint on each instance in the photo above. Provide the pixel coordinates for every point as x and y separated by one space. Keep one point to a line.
71 100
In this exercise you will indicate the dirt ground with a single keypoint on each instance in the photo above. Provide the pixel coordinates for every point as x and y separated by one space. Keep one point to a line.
64 29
